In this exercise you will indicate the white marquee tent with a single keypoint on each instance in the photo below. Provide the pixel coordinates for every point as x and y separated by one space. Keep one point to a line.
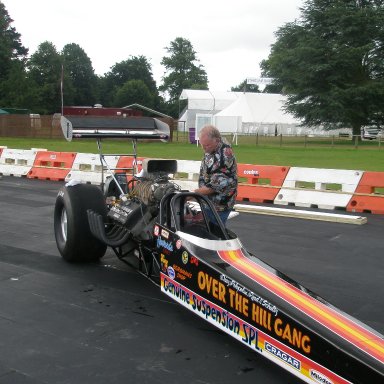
206 100
241 112
256 112
202 105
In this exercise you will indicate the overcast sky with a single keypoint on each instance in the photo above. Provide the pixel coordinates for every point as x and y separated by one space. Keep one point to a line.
229 37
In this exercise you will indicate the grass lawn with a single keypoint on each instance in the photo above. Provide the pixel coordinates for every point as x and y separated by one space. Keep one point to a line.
364 157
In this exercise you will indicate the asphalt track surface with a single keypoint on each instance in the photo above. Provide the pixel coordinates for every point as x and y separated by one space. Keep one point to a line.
105 323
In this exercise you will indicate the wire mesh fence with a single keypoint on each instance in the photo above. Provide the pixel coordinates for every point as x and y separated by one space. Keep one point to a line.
33 126
48 126
330 140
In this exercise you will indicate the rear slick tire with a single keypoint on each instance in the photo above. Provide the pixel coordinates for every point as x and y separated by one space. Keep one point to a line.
74 239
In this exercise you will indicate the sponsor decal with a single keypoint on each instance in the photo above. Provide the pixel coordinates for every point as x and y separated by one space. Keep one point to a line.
171 272
178 244
165 233
252 296
164 244
164 262
181 273
292 335
254 309
156 230
194 260
184 257
214 314
319 377
282 355
61 194
212 286
253 172
217 310
176 291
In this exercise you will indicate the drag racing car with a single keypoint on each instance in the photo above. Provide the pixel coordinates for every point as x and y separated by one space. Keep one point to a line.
175 238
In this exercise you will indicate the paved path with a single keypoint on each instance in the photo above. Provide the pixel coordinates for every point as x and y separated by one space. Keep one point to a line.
106 324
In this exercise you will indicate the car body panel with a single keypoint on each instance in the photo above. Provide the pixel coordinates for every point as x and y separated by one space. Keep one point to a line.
265 310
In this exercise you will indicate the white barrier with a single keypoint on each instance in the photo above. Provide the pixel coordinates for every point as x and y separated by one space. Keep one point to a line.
330 189
321 188
87 168
17 162
301 214
186 185
192 169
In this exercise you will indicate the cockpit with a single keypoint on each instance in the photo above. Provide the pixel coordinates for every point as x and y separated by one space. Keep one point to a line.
194 214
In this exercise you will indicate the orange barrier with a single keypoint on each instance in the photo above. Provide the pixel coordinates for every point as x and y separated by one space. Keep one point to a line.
51 165
366 197
263 182
125 164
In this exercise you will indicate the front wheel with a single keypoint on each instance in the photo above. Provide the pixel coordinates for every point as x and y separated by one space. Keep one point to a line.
74 239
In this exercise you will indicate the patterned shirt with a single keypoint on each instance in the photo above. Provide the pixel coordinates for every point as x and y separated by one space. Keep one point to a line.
218 171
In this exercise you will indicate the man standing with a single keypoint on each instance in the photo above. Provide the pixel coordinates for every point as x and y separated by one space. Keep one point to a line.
218 171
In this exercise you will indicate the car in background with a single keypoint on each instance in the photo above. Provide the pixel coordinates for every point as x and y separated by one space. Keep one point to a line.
372 133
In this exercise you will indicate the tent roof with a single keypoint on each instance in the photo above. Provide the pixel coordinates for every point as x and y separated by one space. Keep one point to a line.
208 100
208 95
15 111
259 108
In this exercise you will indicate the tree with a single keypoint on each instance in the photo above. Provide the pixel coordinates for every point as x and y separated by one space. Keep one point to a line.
18 90
183 70
244 87
12 59
135 68
80 79
45 68
330 63
11 48
273 88
133 91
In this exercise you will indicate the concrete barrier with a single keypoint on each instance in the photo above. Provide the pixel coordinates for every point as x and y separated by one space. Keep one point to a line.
351 190
87 168
263 182
50 165
369 194
187 174
17 162
318 188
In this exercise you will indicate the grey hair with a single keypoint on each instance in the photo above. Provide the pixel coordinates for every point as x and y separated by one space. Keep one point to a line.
211 131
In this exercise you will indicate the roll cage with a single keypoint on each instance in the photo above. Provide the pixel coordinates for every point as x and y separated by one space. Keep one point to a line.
191 213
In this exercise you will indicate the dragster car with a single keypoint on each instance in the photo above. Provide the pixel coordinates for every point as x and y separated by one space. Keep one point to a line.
176 239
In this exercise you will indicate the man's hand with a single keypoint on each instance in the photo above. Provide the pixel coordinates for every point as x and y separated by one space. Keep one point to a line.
204 191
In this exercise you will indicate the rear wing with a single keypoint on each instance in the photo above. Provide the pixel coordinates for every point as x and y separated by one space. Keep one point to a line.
98 127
